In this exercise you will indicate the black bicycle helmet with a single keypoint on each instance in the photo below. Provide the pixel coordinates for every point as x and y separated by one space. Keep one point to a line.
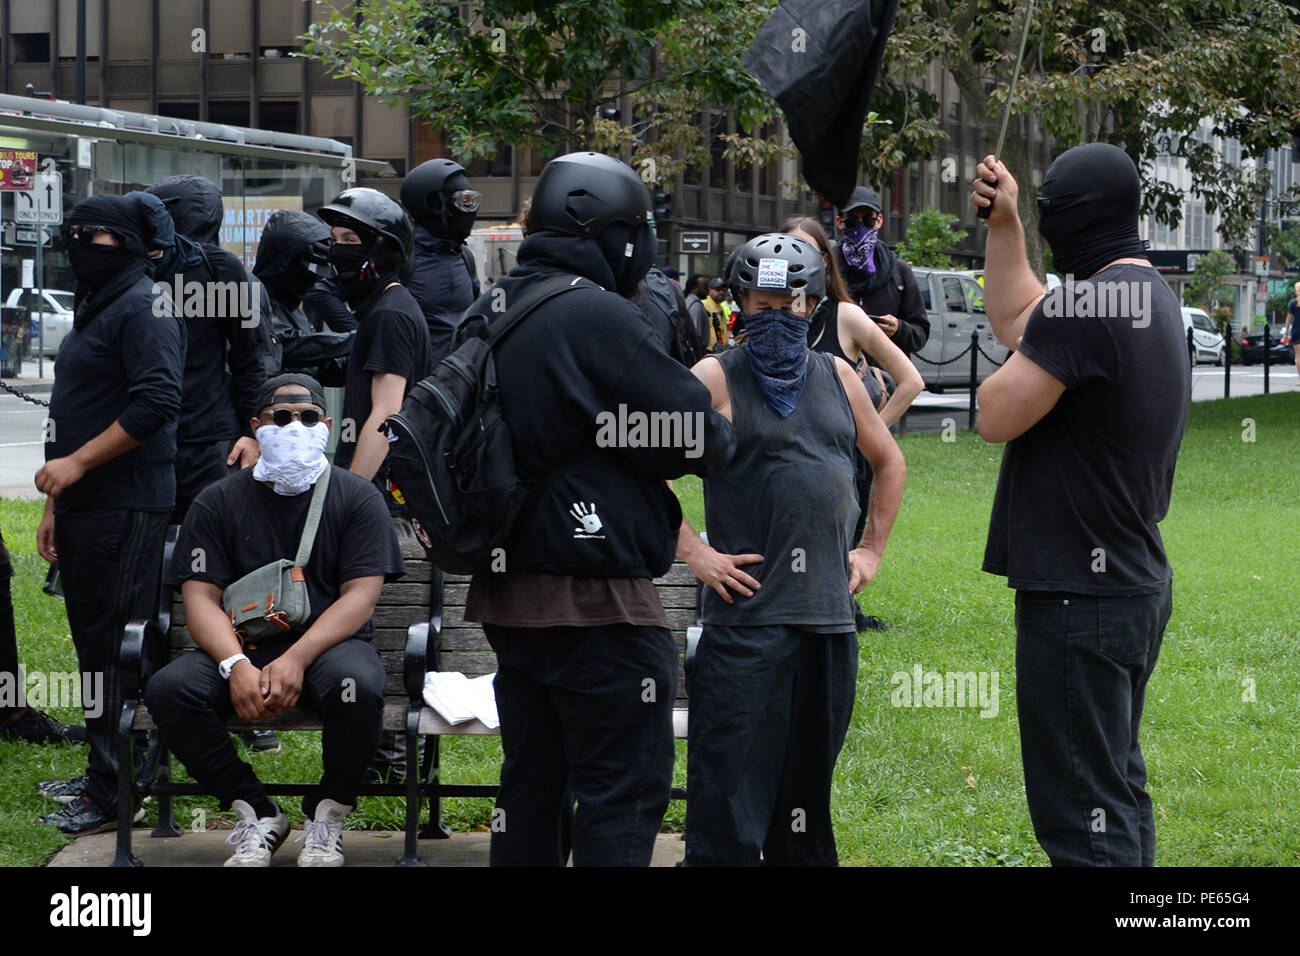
777 262
377 218
582 194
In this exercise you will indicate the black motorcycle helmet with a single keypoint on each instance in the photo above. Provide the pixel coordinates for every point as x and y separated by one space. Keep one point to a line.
422 188
582 194
804 271
378 220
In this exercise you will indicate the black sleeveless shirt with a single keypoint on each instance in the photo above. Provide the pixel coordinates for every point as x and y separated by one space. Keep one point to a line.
788 495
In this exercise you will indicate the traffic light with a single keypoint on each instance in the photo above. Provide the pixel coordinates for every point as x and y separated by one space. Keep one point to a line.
826 216
663 206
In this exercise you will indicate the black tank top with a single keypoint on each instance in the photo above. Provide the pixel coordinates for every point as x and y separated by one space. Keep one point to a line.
788 495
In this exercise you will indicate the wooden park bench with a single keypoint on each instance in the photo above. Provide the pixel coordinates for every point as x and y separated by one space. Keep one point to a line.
413 635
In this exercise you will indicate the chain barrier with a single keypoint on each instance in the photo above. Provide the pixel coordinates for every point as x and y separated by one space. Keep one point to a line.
23 395
990 357
959 355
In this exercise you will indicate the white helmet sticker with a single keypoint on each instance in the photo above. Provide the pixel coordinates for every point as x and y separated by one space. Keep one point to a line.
772 273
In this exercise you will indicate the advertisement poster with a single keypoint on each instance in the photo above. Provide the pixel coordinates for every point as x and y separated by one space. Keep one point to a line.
17 169
241 230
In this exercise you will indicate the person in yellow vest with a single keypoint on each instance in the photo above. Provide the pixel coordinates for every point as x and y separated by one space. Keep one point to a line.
720 312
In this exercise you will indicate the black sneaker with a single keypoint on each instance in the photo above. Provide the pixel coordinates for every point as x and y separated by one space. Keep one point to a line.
64 791
40 728
264 741
867 622
83 816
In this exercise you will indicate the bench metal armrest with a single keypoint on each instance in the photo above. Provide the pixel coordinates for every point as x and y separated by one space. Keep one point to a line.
136 640
415 660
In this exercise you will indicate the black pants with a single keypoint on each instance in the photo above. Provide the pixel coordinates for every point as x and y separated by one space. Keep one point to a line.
111 561
190 702
770 708
586 715
8 633
1082 666
199 464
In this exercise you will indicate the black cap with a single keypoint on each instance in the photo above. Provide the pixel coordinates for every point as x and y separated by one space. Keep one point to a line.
672 273
862 196
266 394
717 284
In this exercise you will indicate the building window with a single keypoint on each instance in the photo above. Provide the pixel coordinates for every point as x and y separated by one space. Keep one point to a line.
29 48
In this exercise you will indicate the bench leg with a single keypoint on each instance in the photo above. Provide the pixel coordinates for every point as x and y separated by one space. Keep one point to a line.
410 853
431 772
125 771
167 826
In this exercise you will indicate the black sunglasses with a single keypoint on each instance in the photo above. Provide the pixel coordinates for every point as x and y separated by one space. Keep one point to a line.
283 416
82 233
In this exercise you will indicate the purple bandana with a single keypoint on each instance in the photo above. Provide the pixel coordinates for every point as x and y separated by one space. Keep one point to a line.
859 245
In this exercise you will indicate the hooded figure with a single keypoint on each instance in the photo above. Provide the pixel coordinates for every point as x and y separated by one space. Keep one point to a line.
441 273
104 272
231 351
1088 209
291 257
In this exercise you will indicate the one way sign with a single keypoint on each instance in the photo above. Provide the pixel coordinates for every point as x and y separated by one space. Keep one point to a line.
44 204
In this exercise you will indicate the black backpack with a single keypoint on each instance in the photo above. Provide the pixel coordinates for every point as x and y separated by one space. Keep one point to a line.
450 460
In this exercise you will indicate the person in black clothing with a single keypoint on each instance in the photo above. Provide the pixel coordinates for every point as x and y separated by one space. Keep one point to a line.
292 256
586 663
664 306
441 273
775 673
230 350
109 466
324 306
878 280
1092 404
22 722
328 664
372 238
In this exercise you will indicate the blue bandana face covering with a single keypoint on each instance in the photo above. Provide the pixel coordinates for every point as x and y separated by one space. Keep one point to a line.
778 355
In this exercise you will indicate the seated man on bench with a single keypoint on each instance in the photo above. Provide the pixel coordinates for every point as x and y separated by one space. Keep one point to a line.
235 526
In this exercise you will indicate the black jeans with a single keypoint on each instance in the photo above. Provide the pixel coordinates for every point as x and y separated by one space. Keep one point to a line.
111 561
770 708
8 634
1082 666
586 715
190 702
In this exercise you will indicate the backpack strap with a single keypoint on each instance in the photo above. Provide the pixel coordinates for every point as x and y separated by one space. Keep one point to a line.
313 518
533 297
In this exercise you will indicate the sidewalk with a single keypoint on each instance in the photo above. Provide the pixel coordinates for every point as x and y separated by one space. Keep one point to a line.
30 381
360 847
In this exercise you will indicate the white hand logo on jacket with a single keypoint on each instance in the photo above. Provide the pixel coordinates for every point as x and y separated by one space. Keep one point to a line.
586 515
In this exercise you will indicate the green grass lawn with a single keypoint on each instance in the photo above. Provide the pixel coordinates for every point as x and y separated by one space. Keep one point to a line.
944 786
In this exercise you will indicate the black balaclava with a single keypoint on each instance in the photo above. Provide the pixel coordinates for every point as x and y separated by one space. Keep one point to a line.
446 221
1088 209
628 251
111 268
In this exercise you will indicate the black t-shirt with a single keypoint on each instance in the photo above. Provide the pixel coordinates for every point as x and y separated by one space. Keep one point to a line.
239 524
1080 494
1293 313
391 337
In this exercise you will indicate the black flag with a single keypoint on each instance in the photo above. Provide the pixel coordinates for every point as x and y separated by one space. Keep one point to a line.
820 59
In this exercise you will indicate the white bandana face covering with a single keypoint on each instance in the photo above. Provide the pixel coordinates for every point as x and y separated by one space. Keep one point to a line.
293 456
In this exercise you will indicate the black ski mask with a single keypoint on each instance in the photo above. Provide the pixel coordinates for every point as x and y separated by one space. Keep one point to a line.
447 221
629 252
351 262
1088 209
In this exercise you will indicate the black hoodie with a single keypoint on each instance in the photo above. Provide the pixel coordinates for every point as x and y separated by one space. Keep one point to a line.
304 347
892 290
440 277
226 360
575 359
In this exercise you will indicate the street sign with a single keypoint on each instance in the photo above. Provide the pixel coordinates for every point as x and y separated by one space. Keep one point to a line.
44 204
695 243
17 169
24 235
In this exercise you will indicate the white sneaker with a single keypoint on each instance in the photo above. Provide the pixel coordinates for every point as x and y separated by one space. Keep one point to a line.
324 836
254 838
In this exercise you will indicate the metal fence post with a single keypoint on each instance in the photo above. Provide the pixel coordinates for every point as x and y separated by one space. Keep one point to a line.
1227 362
1266 357
974 374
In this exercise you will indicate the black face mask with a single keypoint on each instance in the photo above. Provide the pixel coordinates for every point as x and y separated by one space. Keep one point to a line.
95 265
1088 209
351 264
299 277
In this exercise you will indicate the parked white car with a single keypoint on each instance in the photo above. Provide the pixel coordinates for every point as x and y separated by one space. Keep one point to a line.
1207 342
55 314
954 303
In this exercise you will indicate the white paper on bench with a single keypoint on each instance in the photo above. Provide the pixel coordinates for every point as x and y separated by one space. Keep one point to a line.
458 699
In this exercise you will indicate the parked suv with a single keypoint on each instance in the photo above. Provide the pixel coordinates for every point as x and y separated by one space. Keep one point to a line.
55 313
954 303
1206 340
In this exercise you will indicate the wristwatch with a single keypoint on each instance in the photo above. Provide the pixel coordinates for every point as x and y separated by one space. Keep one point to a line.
226 666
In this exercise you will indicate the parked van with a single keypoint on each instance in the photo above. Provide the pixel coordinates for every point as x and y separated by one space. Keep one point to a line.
954 303
1206 339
